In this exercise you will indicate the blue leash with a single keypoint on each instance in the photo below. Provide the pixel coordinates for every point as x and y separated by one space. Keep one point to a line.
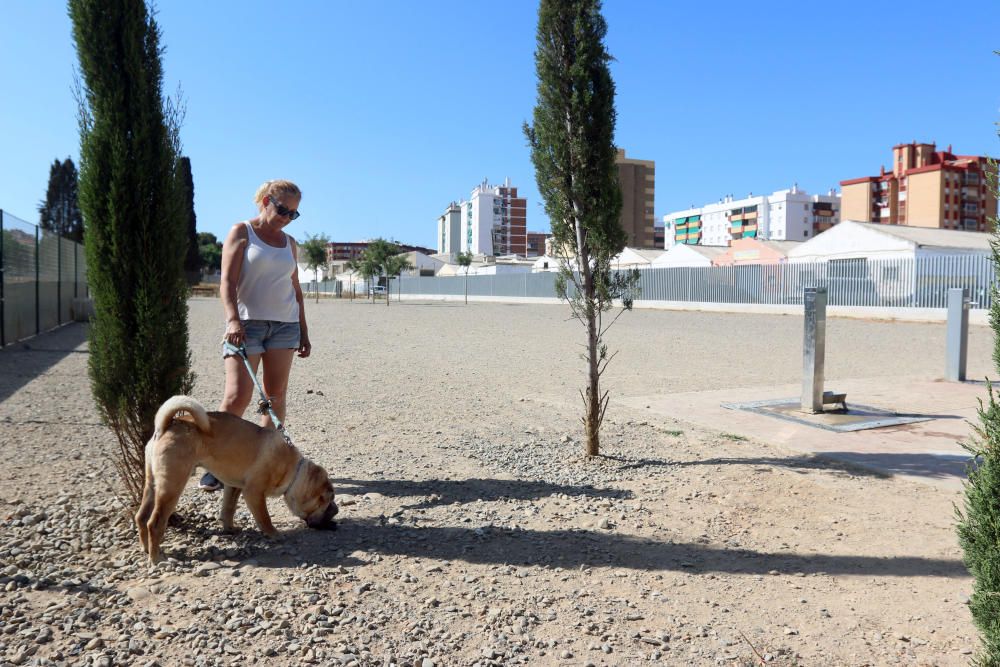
264 405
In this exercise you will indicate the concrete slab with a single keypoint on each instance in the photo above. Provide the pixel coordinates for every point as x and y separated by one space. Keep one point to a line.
854 417
927 451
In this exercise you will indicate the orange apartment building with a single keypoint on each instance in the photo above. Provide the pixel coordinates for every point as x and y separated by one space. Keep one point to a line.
926 188
638 183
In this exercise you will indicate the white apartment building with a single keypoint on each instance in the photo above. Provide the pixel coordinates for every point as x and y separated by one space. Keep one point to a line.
492 222
785 215
449 235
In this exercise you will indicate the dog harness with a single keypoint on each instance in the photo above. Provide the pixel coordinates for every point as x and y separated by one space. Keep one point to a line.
264 405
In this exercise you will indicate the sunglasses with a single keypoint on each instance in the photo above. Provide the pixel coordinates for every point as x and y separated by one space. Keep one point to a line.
283 211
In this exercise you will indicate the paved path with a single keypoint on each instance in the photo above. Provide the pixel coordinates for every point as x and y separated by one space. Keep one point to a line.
927 451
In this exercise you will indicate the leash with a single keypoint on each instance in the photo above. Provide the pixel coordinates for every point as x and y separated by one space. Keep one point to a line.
264 405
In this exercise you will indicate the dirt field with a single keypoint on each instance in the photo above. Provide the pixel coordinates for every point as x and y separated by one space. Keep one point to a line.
472 531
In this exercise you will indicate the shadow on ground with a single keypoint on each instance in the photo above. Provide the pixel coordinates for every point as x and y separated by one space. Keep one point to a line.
876 464
447 492
22 362
579 549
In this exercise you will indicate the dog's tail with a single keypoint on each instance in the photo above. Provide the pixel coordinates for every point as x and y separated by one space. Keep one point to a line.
178 404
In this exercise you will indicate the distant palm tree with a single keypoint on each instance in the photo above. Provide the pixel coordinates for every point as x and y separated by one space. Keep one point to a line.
394 266
313 255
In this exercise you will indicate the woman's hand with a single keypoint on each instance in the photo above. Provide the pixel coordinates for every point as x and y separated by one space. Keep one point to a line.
305 347
234 333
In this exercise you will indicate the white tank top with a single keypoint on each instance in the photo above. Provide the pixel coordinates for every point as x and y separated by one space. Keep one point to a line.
265 291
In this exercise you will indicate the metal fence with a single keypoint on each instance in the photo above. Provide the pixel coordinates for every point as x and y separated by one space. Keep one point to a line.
920 282
40 275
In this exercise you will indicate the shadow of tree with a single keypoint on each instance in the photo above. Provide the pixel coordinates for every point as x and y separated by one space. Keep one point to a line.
447 491
572 549
812 462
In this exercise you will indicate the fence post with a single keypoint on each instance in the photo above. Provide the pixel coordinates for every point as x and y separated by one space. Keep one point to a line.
958 334
59 280
38 251
813 349
3 317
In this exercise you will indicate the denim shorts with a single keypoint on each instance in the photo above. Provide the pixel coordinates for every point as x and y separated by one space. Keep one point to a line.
263 335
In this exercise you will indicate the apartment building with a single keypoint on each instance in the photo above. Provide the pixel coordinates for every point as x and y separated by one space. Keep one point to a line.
449 232
494 221
638 183
785 215
536 244
925 188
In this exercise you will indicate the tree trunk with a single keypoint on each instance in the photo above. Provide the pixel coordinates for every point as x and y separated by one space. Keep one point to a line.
317 290
466 287
593 398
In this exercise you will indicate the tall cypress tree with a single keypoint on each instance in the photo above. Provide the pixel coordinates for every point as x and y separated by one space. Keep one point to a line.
135 230
572 148
192 261
979 525
60 210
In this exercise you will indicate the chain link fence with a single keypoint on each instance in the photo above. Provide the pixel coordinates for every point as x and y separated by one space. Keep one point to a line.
41 274
920 282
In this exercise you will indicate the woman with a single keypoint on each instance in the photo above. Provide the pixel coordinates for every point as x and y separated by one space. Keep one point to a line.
263 303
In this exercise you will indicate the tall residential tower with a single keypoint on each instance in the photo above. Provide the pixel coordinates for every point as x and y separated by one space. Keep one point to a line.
926 188
494 221
638 183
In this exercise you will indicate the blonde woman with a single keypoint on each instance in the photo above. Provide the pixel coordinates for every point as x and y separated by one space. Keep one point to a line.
263 304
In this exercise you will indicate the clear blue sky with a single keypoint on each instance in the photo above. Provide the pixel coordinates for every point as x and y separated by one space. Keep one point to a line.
385 111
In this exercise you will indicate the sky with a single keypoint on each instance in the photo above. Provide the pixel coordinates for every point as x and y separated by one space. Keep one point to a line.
385 111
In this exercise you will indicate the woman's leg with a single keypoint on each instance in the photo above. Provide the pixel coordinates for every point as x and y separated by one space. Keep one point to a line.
235 399
239 385
277 366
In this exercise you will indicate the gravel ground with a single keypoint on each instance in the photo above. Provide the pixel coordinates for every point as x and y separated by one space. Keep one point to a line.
472 529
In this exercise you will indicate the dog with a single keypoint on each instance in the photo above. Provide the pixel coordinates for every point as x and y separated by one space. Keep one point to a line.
245 457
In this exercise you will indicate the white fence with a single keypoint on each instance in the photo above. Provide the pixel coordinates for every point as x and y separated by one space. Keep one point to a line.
884 283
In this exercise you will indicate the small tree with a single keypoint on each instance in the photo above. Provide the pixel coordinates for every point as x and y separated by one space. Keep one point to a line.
572 148
136 234
394 267
369 267
375 256
192 260
209 251
313 255
979 526
60 211
464 260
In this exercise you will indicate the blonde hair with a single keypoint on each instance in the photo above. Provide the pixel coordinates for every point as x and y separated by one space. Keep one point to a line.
275 187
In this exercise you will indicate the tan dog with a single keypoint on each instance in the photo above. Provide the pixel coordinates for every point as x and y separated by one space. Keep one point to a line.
245 457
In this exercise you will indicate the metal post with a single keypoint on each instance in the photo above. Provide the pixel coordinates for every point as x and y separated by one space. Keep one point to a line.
958 334
38 251
59 280
813 349
3 317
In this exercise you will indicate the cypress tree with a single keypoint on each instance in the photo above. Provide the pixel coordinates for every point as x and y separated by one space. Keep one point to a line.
135 236
572 148
979 525
59 212
192 260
